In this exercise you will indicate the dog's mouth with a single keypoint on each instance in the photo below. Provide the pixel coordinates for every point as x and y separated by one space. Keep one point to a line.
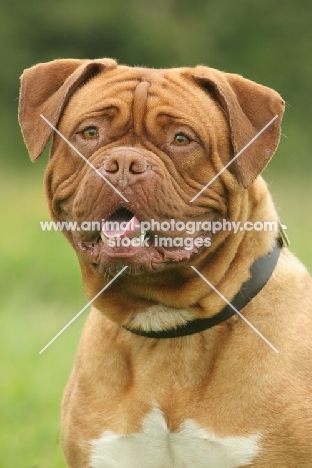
124 238
123 224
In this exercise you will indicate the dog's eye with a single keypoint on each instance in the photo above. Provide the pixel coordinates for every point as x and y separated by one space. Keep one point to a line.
90 133
181 140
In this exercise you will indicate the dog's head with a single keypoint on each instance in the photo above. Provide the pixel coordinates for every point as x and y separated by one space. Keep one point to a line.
140 145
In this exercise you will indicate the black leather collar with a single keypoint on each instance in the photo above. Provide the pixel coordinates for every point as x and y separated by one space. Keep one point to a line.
261 270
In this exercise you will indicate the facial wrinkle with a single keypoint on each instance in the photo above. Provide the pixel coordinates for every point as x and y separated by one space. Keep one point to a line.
139 106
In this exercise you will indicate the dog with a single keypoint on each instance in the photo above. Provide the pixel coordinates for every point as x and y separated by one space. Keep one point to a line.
197 352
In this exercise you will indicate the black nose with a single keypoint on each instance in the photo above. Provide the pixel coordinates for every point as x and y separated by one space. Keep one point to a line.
124 166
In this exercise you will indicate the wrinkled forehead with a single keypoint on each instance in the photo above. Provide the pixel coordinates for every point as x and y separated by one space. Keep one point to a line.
169 92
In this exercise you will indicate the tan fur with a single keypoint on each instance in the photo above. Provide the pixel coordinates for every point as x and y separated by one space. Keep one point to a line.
226 378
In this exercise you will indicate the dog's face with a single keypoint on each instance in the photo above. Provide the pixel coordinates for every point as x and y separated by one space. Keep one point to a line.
157 137
149 136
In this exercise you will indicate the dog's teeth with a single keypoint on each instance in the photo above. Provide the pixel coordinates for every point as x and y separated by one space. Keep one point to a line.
142 236
104 238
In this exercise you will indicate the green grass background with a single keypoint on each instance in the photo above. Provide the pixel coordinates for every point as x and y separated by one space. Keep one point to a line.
41 291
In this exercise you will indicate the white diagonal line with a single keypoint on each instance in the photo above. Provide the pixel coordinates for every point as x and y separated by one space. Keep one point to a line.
83 309
235 157
82 156
237 311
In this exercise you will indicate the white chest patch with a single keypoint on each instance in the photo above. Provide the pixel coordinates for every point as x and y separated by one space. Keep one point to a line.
156 447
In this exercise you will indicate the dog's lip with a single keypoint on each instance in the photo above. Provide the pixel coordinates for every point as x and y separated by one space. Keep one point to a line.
94 252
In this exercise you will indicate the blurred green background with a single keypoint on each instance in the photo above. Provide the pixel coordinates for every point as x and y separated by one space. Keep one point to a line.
268 41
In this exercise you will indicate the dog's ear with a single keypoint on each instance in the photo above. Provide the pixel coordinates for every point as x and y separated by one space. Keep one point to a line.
45 89
249 107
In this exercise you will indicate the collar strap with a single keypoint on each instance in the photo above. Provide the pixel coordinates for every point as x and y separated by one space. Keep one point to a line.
261 270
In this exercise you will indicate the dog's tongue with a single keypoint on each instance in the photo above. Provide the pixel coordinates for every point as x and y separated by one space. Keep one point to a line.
114 229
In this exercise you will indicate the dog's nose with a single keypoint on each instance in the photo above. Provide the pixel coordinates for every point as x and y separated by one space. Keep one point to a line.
124 166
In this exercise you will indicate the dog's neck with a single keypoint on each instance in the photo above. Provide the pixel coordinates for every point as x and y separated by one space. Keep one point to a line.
163 322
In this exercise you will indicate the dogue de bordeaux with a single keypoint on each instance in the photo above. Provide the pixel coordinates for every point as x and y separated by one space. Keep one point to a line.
197 350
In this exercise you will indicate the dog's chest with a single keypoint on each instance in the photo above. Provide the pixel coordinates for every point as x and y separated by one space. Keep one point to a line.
156 447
